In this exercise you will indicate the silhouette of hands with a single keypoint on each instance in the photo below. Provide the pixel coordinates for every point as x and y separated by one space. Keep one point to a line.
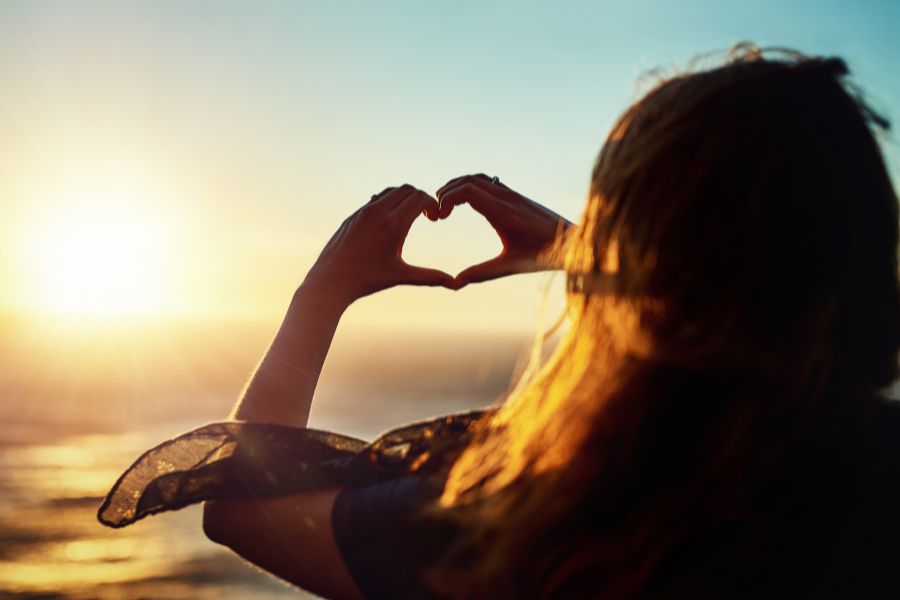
363 256
525 227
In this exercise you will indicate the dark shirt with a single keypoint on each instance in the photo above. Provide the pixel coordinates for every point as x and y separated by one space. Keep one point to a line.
384 538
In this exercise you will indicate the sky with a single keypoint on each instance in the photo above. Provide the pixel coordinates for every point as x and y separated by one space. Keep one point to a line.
189 159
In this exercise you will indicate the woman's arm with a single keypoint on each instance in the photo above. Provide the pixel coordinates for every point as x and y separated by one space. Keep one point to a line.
281 389
363 257
292 536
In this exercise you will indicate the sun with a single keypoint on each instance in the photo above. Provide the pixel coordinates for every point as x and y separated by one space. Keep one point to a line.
98 261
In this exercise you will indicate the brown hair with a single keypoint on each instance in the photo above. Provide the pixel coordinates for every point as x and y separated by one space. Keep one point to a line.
733 287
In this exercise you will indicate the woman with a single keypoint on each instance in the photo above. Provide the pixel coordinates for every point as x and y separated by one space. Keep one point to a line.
711 425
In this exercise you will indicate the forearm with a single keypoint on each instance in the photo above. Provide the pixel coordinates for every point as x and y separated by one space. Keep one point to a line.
281 389
361 258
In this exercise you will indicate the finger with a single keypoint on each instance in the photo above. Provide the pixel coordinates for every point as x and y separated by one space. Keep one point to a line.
391 196
413 205
380 194
456 181
412 275
496 190
499 266
431 210
488 184
377 201
477 197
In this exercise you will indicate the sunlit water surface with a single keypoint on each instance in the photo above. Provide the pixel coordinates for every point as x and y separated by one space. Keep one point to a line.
51 545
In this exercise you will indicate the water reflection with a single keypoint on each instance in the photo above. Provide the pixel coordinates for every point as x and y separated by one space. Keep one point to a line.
51 543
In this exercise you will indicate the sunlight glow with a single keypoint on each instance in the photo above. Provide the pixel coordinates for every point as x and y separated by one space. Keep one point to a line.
99 257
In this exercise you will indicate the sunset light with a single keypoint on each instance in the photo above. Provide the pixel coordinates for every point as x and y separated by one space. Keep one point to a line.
97 260
247 220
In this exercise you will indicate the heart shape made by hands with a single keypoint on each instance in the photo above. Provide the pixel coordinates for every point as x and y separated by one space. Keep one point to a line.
453 244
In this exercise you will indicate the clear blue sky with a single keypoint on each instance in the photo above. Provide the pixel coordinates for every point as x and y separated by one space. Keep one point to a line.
262 124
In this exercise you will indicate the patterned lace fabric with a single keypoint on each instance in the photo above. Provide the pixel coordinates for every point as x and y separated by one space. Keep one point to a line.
241 459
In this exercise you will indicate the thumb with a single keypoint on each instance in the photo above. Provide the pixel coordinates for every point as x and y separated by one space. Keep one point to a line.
421 276
499 266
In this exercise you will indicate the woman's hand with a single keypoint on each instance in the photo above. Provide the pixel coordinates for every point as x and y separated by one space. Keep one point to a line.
363 256
525 227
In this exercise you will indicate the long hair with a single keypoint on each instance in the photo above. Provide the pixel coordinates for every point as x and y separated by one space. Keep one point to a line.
732 290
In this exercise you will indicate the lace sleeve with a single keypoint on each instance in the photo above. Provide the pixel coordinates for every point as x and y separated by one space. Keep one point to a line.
243 459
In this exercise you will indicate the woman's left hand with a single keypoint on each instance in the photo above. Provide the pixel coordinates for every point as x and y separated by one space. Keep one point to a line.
363 256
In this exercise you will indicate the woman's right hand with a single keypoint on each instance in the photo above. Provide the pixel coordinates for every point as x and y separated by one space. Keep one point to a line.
525 227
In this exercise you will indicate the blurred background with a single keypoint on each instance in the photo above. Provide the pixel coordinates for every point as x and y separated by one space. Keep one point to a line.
169 171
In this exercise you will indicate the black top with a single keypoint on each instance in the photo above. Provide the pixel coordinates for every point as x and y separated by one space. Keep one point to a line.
384 538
